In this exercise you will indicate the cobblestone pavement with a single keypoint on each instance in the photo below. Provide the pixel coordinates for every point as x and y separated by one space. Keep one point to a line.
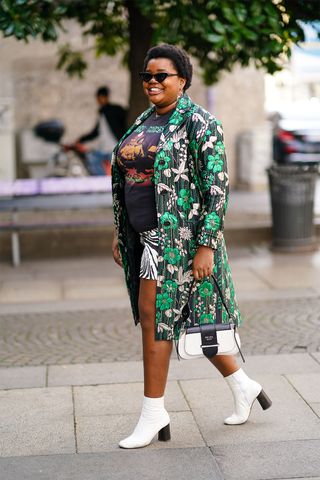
274 326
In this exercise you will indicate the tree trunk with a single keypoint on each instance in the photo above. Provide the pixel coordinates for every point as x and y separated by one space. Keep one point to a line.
140 36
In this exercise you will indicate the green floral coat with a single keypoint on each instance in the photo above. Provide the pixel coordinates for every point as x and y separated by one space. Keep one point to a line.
191 190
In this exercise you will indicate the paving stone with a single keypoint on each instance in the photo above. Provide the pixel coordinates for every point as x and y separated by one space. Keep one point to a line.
94 336
32 438
271 364
292 276
69 337
246 279
95 373
102 433
289 418
264 295
280 364
121 399
121 372
166 464
29 291
316 408
66 306
308 385
22 377
35 403
36 421
281 326
269 460
99 288
316 355
188 369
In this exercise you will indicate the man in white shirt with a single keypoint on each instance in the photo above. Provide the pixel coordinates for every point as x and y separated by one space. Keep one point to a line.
110 127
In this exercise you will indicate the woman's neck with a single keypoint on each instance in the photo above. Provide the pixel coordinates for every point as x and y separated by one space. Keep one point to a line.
163 110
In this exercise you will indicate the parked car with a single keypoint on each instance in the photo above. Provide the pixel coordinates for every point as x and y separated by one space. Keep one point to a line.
296 136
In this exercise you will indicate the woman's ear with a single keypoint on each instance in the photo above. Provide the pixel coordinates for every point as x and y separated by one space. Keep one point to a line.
182 83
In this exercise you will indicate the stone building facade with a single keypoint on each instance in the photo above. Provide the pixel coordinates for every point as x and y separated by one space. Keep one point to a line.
36 91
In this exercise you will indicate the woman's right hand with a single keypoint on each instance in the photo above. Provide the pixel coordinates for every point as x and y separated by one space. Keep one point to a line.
115 250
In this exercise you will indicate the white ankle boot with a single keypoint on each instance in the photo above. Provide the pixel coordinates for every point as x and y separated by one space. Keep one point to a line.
245 391
154 419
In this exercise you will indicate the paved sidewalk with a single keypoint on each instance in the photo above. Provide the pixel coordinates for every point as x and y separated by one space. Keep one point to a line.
61 421
75 311
64 422
79 283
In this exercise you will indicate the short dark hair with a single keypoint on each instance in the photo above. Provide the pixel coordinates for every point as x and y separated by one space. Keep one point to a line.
177 55
103 92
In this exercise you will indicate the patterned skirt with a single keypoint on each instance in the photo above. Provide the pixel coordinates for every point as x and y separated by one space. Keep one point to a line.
149 259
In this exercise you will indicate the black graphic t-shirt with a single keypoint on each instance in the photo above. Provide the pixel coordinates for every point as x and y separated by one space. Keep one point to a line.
136 157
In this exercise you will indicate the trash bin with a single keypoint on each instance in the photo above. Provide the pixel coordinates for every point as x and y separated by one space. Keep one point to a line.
292 191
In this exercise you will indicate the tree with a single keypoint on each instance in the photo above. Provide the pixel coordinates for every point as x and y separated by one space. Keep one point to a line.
217 33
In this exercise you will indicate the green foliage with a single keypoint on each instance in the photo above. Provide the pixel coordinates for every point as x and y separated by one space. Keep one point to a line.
218 33
71 61
105 20
30 18
223 33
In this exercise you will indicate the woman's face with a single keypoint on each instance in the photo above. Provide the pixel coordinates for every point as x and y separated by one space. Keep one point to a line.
165 93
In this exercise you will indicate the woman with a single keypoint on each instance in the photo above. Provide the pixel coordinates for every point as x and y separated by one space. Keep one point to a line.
170 193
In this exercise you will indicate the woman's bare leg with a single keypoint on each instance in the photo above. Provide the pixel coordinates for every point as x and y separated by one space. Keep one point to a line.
226 364
156 353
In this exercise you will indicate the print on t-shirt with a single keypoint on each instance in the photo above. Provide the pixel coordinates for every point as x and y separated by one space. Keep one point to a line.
137 152
136 157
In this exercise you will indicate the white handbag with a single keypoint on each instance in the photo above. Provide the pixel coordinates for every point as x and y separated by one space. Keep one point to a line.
208 339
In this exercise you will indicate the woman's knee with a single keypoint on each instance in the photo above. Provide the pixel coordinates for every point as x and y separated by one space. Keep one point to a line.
147 315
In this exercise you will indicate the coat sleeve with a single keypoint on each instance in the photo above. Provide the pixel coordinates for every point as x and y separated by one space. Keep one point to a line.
213 182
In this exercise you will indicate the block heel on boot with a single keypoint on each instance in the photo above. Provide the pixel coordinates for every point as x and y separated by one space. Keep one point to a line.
245 391
264 400
164 434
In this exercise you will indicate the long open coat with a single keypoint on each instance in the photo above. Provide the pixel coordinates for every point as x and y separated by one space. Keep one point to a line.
191 191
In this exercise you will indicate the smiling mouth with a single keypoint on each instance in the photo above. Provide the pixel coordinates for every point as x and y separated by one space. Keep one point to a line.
154 90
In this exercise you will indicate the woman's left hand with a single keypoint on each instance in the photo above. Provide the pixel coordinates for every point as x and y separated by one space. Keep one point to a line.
202 264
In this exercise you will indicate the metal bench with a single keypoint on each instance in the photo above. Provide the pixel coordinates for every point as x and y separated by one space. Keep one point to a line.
41 195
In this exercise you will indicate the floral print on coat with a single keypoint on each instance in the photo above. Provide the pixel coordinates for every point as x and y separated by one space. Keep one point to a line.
191 191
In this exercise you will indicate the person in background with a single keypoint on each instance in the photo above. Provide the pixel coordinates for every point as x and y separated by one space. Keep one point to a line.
109 128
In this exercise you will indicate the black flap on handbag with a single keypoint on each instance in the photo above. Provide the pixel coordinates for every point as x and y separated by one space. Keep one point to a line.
209 341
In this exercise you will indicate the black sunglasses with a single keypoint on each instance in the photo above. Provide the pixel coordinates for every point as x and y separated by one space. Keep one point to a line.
159 77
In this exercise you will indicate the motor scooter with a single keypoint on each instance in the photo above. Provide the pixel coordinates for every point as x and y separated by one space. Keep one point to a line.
71 160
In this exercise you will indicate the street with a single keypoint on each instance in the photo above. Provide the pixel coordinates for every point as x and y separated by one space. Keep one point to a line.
72 382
